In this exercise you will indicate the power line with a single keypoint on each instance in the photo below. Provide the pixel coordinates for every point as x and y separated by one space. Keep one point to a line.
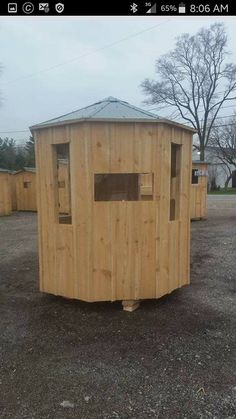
44 70
172 106
225 125
27 130
75 59
222 117
218 117
13 132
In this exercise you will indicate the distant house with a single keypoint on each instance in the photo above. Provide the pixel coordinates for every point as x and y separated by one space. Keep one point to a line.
218 171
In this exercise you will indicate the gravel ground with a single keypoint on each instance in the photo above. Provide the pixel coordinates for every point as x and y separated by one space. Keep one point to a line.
172 358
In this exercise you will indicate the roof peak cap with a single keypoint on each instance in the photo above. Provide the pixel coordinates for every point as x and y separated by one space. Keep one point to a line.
112 99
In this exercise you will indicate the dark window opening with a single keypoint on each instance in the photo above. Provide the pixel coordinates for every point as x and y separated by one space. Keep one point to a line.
27 184
175 181
194 176
63 186
123 186
172 209
174 151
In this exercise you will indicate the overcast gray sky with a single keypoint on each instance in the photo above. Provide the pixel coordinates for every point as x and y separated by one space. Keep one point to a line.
51 66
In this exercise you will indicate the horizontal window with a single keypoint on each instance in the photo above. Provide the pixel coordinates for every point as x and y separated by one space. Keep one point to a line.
123 186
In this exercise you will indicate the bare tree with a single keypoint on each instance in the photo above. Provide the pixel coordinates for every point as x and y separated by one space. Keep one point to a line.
223 140
213 176
195 80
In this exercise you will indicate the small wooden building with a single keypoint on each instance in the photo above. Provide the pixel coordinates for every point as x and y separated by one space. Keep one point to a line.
126 230
5 193
25 189
199 190
13 191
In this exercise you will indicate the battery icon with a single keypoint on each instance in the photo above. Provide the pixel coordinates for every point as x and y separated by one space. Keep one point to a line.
182 8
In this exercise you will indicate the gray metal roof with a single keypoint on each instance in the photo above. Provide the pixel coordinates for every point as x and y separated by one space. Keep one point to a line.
24 169
107 109
4 170
29 169
200 162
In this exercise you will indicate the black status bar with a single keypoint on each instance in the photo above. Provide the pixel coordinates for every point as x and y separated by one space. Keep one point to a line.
132 8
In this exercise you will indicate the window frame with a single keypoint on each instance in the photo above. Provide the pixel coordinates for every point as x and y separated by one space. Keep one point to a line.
143 192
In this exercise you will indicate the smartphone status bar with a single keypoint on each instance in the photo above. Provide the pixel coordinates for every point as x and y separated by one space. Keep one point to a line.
134 8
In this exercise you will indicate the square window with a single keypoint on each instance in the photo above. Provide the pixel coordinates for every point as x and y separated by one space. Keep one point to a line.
27 184
61 184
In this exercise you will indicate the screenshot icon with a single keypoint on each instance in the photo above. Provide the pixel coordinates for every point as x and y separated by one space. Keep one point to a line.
12 7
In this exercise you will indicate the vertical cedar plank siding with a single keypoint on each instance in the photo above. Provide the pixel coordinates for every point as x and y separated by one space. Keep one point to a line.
5 194
113 250
199 194
25 190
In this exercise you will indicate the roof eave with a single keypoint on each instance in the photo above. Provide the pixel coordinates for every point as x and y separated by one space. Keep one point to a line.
200 162
74 121
25 169
133 120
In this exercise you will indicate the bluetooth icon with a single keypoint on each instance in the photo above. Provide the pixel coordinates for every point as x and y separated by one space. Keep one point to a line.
134 7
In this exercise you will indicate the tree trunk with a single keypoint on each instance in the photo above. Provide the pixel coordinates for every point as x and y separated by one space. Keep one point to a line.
202 152
227 181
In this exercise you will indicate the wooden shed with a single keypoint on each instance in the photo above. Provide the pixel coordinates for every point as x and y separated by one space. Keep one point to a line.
25 189
13 190
5 192
199 190
126 232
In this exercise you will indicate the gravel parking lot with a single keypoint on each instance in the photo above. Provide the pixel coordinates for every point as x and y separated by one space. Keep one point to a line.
172 358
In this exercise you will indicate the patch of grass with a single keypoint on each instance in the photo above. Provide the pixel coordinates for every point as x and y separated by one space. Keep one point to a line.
230 191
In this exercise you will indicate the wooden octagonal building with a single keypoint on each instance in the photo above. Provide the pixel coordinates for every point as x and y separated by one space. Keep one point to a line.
125 234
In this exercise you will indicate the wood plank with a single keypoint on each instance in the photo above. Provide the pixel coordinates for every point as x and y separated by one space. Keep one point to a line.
40 200
82 210
5 194
100 147
174 255
199 194
184 235
163 217
121 148
64 260
101 288
123 249
146 221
